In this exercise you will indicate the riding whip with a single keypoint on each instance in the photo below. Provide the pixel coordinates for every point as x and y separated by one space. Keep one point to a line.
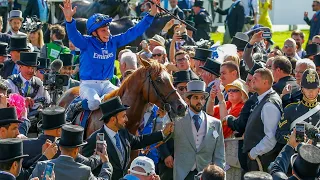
172 15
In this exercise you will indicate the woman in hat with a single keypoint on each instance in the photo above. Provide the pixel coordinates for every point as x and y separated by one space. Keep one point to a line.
36 39
237 96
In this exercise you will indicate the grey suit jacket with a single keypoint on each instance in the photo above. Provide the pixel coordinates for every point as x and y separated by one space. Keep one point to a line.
211 150
66 168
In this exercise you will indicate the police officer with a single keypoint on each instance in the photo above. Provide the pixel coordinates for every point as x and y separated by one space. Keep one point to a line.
305 111
202 21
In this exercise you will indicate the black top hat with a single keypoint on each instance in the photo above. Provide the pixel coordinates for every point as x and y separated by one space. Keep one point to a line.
71 136
198 3
184 76
257 175
212 66
310 79
28 59
11 149
306 163
112 107
18 43
316 60
52 118
44 63
257 65
202 54
8 115
3 49
240 40
67 59
312 49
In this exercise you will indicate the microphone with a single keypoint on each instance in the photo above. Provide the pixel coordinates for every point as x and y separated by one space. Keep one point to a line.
56 66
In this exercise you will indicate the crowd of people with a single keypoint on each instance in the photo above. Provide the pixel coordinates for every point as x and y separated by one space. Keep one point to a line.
251 108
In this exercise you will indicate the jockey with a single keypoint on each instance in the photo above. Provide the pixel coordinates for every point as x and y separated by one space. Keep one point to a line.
98 53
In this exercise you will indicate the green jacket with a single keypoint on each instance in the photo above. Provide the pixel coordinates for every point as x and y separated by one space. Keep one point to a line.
54 50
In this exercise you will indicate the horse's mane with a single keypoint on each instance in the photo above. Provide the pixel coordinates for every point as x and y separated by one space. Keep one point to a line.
154 69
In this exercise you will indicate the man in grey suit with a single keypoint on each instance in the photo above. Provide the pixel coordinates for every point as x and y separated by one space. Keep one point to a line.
198 137
65 166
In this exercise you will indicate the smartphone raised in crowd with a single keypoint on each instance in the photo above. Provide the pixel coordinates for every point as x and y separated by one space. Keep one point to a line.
266 34
300 132
100 142
48 171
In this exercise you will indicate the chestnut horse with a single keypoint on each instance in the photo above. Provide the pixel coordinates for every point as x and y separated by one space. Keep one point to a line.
150 83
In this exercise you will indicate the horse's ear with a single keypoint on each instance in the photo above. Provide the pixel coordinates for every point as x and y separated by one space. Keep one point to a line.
145 63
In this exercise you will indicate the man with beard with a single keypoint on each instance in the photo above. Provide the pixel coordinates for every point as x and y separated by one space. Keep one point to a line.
120 142
198 137
15 21
298 36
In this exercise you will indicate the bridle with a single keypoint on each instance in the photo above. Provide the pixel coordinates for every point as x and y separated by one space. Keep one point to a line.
164 99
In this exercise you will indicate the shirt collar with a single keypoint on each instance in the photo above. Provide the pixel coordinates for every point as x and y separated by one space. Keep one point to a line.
109 131
260 97
201 114
23 79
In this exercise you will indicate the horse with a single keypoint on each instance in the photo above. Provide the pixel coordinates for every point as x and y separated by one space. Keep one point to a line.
150 83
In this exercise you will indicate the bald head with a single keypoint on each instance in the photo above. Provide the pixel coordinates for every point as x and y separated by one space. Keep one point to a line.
290 47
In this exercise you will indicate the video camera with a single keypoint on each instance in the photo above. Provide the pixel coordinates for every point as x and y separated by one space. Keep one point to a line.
56 80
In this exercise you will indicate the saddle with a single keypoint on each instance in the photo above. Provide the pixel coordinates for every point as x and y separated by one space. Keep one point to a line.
84 115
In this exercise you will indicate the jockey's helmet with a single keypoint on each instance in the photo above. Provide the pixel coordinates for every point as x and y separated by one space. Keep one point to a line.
96 21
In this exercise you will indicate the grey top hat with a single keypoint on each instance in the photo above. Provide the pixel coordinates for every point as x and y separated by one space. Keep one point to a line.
15 14
196 87
257 175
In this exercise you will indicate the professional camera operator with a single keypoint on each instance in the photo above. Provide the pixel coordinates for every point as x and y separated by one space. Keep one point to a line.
26 84
67 70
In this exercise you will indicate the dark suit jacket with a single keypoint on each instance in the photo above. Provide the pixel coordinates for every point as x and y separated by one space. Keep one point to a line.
129 141
5 38
314 25
7 69
278 87
235 20
33 147
6 176
32 9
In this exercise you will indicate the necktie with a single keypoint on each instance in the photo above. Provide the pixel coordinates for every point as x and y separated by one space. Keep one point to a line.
119 145
15 70
197 120
26 87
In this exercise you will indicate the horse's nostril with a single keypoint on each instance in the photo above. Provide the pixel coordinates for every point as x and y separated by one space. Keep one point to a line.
181 108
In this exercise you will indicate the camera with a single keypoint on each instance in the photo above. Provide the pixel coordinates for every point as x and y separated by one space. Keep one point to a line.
56 80
184 36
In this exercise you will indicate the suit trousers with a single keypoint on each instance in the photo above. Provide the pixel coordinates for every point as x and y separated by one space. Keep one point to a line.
191 175
227 38
94 90
164 171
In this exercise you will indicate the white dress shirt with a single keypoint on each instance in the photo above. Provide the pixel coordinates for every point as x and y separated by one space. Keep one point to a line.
270 116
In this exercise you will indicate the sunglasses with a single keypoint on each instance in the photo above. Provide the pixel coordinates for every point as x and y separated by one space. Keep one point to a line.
182 88
154 55
233 90
288 46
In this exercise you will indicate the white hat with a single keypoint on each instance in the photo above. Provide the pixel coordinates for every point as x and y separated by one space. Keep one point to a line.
145 163
15 14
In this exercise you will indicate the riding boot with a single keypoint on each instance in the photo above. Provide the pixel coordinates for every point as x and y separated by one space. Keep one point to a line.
73 110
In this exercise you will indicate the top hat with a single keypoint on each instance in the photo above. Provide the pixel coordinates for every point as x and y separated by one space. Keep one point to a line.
239 85
198 3
11 149
71 136
202 54
306 163
111 107
310 79
44 63
257 65
240 40
257 175
52 118
158 39
184 76
316 60
8 115
18 43
312 49
196 87
28 59
3 49
15 14
67 59
212 66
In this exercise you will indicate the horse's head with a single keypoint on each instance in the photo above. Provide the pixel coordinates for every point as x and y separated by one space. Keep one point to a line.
158 89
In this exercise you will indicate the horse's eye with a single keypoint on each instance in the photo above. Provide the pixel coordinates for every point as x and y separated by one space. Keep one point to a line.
159 80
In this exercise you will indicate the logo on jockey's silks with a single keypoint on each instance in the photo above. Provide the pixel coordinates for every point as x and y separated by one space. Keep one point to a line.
105 55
